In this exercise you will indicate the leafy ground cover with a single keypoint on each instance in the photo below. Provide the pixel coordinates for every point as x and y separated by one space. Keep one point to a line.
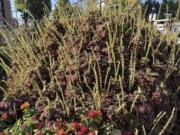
91 72
78 124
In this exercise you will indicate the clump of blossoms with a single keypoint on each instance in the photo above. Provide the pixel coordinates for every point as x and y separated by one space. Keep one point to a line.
89 123
93 114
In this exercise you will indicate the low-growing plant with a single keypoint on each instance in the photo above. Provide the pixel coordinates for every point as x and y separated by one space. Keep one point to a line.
90 123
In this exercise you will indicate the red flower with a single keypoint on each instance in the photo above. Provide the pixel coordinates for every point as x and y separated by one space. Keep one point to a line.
60 132
98 113
128 133
91 114
40 126
83 129
75 125
39 133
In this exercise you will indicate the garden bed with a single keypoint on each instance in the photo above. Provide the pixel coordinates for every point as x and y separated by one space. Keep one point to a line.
92 73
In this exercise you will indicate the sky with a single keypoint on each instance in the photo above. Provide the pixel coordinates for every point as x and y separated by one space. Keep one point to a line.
53 2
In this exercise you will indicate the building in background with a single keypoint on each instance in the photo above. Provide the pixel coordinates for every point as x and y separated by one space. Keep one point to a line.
5 13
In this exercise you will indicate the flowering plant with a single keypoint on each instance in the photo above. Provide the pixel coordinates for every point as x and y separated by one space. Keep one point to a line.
89 123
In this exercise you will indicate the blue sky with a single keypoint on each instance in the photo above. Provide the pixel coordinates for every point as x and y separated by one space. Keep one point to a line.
53 2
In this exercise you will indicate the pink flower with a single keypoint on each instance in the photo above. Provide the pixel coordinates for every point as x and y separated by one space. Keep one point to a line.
56 124
91 114
60 132
75 125
83 129
48 124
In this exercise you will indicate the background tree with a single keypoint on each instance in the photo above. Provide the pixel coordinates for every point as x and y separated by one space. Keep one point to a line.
167 6
35 7
151 6
21 6
62 5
